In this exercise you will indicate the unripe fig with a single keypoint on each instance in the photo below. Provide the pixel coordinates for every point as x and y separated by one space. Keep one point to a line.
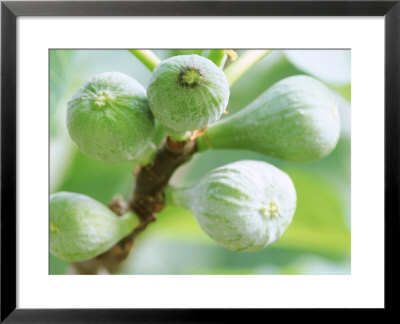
294 120
187 92
244 206
82 228
109 118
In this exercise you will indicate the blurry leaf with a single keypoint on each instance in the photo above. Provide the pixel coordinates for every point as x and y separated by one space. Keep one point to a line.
61 84
344 90
186 51
319 222
57 266
259 78
59 72
179 223
281 64
97 179
158 254
317 265
331 66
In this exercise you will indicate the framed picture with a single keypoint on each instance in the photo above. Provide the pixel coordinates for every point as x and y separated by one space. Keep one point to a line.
184 161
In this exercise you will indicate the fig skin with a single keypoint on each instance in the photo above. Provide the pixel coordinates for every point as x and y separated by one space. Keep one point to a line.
187 92
296 120
81 228
244 206
109 118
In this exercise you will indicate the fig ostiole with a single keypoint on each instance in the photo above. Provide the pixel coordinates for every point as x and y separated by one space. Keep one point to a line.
187 92
109 118
81 228
244 206
296 120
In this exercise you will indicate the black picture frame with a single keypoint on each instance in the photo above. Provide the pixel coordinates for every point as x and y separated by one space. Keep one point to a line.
10 11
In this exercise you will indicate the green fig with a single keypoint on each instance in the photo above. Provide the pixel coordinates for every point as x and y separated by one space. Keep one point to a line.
187 92
109 118
81 228
296 120
244 206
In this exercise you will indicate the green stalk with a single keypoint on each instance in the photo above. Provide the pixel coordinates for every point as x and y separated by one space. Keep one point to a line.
218 56
148 155
179 136
176 196
147 57
169 196
239 67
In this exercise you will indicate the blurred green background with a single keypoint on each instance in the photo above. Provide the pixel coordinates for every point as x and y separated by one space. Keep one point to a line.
317 241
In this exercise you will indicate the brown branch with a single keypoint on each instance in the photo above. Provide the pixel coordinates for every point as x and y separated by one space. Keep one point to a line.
147 200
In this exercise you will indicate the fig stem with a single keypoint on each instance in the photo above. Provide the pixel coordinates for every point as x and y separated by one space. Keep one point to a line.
147 57
245 61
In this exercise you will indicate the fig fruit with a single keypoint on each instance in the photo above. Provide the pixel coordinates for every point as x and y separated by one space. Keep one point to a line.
187 92
244 206
109 118
82 228
296 120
